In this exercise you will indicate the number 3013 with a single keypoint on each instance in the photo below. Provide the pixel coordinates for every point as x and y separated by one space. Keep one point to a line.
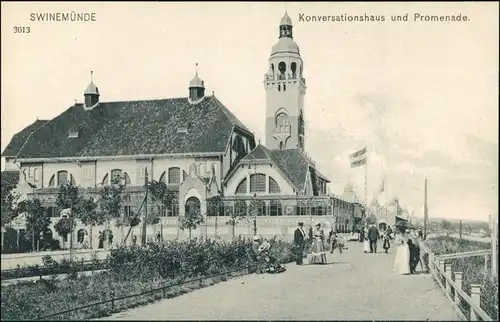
22 30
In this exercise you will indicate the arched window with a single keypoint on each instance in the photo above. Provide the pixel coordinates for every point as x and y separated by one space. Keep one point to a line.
301 123
62 177
272 68
35 174
275 208
240 208
51 181
162 177
81 235
273 186
242 187
282 67
258 182
72 179
174 175
184 175
105 180
192 206
281 119
116 176
293 67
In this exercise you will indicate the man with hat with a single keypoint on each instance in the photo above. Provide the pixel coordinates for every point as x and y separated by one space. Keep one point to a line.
299 237
414 249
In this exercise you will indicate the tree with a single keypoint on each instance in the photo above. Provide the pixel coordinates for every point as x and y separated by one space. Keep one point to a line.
191 219
37 218
109 202
236 214
159 193
9 199
64 227
446 226
87 213
68 197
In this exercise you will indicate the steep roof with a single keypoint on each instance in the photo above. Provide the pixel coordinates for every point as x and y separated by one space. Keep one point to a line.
132 128
18 139
292 162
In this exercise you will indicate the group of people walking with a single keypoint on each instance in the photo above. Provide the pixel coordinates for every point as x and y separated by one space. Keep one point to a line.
407 246
318 244
407 252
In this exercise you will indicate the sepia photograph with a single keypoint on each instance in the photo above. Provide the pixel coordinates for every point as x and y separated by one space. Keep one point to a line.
249 161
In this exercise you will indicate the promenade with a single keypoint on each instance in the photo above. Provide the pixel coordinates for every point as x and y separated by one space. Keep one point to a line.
353 286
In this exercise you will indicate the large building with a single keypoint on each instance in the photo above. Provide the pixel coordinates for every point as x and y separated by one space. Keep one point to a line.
196 146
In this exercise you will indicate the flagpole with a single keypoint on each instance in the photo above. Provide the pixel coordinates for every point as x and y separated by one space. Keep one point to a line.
385 188
366 183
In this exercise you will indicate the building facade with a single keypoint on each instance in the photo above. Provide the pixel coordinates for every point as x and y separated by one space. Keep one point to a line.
206 156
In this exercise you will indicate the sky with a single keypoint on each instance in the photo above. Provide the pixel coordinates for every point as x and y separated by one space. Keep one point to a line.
422 96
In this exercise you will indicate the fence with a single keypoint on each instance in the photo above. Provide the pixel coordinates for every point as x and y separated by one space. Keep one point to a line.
163 289
442 273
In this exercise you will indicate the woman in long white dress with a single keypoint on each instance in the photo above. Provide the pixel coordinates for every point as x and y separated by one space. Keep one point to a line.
402 260
318 253
366 242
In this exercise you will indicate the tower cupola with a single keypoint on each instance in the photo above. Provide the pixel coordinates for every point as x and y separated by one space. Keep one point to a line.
91 94
196 88
286 26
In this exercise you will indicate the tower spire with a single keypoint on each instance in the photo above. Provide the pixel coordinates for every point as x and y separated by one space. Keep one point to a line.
196 87
91 75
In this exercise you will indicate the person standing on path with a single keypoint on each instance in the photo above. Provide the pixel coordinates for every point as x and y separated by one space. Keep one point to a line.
318 254
414 250
373 236
299 241
387 238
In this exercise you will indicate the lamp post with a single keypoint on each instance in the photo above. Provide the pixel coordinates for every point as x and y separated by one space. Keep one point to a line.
18 221
255 214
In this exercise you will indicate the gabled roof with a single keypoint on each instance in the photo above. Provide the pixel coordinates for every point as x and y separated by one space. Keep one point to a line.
131 128
292 163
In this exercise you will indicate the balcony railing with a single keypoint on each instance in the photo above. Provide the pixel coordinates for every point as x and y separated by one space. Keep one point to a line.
284 76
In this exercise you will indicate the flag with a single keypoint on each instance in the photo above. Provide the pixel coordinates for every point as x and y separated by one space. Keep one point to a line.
358 158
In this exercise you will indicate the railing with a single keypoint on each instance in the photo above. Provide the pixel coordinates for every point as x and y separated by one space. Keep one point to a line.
442 273
288 76
162 289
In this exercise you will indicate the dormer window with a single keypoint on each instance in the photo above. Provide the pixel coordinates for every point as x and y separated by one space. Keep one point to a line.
182 129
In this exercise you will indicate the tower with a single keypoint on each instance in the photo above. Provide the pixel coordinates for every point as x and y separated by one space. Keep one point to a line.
196 88
91 94
285 89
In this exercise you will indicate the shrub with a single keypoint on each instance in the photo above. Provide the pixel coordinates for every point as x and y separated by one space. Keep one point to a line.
133 270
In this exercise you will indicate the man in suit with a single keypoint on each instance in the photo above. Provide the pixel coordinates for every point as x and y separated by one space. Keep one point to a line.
414 250
299 237
373 236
